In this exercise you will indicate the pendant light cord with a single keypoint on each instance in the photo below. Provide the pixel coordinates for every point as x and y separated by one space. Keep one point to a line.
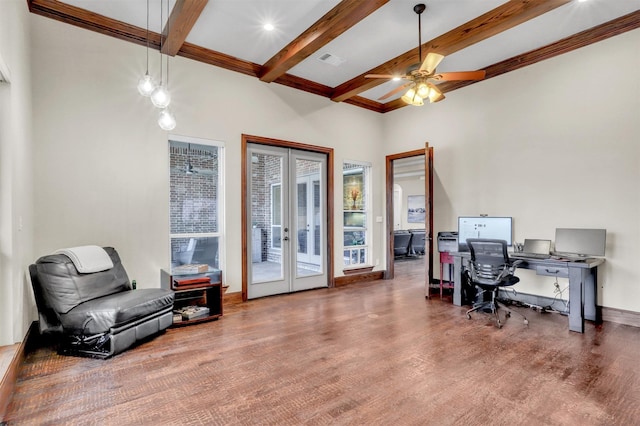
168 32
161 42
147 37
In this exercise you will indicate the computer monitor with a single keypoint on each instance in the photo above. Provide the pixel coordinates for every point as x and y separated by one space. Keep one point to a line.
499 228
583 242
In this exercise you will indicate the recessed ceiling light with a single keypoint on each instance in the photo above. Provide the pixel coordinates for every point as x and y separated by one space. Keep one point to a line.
396 78
268 26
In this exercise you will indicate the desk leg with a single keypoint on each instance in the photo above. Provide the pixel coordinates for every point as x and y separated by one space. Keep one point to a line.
590 278
576 300
457 281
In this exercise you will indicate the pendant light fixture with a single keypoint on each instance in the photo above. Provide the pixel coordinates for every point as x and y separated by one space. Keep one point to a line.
166 120
161 98
147 84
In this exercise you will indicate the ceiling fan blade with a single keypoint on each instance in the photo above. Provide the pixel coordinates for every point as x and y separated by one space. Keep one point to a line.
394 91
461 75
380 76
431 62
435 95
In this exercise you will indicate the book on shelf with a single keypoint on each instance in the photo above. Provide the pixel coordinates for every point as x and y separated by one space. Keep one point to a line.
192 312
193 268
191 283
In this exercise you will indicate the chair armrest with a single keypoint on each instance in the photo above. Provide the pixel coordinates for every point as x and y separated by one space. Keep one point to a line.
514 264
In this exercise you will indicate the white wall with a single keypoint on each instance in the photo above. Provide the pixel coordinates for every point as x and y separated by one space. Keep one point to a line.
102 161
16 207
573 122
410 186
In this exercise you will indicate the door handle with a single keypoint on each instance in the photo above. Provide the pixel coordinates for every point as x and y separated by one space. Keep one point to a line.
285 238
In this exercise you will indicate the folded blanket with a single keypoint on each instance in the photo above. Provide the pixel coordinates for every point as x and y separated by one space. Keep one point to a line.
88 259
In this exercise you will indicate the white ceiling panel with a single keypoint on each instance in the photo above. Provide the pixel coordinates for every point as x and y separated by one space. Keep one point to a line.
235 27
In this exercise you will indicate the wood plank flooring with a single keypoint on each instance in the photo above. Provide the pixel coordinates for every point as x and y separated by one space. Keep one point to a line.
365 354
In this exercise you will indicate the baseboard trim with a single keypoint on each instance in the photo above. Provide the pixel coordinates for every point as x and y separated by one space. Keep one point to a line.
230 299
8 383
620 316
356 278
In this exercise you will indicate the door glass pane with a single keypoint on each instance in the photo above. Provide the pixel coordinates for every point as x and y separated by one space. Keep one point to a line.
316 217
308 217
266 217
303 221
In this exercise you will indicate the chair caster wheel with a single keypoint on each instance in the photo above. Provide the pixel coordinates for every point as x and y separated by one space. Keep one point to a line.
499 324
508 315
468 316
526 321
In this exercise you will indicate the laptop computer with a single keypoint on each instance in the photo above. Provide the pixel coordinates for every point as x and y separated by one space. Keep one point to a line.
535 249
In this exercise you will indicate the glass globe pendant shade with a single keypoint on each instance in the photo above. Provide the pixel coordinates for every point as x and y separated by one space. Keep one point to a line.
146 85
423 90
166 120
412 98
161 97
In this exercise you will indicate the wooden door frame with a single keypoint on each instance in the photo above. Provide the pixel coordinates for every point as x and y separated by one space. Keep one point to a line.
428 190
259 140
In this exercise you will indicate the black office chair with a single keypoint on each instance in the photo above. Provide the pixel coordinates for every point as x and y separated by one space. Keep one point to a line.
490 269
401 243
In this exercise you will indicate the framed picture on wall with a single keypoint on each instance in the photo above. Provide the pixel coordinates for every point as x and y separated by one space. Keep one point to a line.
416 212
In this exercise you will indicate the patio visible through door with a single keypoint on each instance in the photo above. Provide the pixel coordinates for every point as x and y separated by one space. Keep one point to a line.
287 211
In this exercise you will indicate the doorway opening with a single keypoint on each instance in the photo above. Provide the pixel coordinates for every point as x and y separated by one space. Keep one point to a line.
409 197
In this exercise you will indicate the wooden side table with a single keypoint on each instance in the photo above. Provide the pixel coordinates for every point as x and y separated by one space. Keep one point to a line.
207 295
446 259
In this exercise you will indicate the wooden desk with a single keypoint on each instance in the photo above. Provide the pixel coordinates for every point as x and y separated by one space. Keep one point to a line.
583 280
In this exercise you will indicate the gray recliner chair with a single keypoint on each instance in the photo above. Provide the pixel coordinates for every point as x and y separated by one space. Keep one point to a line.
95 314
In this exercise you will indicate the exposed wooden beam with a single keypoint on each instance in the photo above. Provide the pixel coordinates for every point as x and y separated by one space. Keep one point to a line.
183 17
335 22
92 21
503 17
584 38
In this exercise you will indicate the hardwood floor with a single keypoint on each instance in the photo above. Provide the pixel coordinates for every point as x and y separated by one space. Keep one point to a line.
366 354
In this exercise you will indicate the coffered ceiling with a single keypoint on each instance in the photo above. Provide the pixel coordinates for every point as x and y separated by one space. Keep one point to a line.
358 37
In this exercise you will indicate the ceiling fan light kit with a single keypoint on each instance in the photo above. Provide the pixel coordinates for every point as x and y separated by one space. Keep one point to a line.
420 87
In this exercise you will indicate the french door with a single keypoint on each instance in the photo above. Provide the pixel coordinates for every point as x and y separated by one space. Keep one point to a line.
287 208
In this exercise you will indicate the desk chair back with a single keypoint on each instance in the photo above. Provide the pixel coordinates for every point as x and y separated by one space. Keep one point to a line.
490 264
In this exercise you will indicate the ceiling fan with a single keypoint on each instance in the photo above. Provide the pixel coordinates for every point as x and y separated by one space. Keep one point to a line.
188 168
420 76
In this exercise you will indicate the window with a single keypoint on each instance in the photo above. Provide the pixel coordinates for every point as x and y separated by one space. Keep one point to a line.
195 173
356 213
